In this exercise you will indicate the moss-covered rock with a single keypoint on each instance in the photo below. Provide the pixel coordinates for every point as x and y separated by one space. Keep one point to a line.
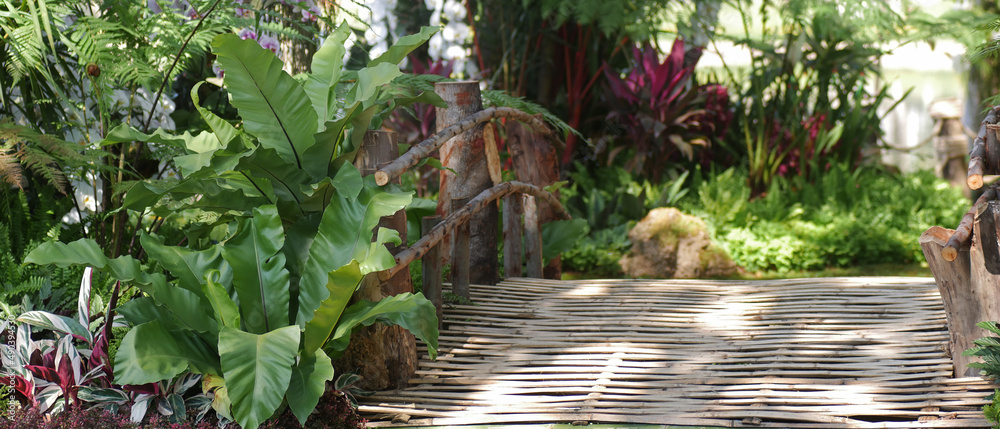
670 244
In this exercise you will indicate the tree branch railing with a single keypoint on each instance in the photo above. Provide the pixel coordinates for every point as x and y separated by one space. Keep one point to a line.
462 215
423 149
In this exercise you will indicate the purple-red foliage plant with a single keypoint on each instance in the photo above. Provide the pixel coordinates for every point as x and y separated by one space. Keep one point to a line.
663 112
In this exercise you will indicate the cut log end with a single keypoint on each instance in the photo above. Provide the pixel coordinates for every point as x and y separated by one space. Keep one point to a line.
949 253
975 181
381 178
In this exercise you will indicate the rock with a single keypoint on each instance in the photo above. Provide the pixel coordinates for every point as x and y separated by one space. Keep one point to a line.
670 244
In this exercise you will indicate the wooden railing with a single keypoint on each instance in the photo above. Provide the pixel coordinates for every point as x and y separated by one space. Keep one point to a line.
463 202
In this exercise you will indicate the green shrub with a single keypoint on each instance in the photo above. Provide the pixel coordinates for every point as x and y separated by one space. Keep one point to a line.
847 218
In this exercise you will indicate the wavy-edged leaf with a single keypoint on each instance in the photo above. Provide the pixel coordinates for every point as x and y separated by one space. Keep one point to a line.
308 383
405 45
259 274
327 65
370 79
227 313
126 133
273 105
223 130
189 266
341 284
413 312
84 251
345 234
257 369
148 354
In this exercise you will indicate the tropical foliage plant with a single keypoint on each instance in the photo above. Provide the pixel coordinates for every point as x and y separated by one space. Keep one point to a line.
257 300
52 374
661 110
808 101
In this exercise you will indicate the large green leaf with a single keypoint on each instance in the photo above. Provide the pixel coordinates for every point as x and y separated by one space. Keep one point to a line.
259 274
308 384
341 284
80 252
345 234
403 46
126 133
87 252
413 312
148 354
328 142
257 369
189 266
286 179
370 79
226 312
327 65
273 105
224 131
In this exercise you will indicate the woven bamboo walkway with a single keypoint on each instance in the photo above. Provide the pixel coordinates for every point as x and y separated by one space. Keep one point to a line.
808 353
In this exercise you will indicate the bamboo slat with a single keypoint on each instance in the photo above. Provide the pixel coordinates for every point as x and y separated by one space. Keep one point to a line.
802 353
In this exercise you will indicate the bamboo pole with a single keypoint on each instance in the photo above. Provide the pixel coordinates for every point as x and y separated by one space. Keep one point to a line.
423 149
462 215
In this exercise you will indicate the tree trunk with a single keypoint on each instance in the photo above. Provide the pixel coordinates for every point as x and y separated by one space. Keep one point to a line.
971 294
535 162
385 356
466 155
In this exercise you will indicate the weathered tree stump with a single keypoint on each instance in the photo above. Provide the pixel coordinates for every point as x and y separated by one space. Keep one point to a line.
465 154
536 162
385 356
970 292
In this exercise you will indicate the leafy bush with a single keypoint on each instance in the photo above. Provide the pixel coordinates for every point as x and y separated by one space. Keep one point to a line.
847 218
611 200
77 418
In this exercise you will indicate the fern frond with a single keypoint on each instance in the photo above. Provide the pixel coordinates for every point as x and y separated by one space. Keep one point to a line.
421 82
10 170
497 98
44 165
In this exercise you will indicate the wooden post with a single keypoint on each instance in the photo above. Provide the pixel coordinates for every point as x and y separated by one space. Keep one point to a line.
431 268
512 235
466 155
536 162
461 254
532 238
385 356
969 292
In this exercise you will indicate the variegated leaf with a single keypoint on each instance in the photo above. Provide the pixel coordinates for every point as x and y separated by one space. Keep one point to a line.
83 303
57 323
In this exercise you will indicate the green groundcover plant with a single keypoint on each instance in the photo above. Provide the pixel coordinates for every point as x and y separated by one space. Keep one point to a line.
257 300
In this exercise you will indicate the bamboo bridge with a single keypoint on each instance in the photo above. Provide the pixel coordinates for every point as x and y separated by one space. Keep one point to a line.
806 353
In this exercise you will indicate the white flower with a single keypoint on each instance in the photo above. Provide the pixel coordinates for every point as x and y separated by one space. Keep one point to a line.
270 43
247 33
217 69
